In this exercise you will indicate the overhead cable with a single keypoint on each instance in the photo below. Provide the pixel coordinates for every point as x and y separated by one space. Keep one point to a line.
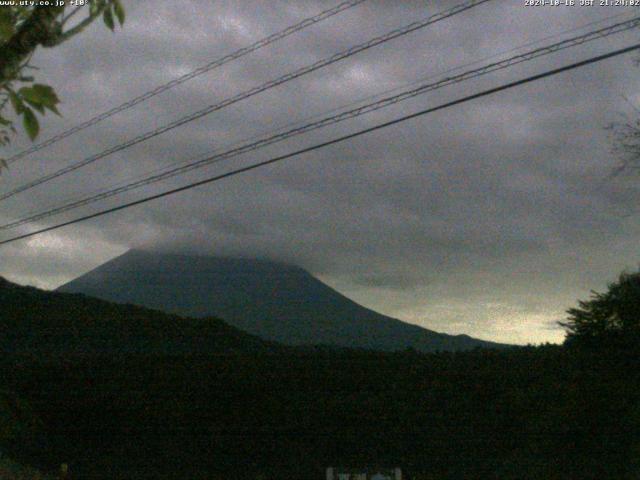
330 120
307 22
334 141
249 93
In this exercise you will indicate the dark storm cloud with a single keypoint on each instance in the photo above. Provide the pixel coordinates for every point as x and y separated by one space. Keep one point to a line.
489 218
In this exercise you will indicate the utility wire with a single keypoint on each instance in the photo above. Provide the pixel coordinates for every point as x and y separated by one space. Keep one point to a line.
356 112
361 100
334 141
253 91
307 22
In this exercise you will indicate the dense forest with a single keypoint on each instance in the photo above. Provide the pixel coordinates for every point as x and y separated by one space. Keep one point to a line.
569 411
546 412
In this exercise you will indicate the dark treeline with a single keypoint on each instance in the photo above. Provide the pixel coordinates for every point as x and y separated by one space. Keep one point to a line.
544 412
122 392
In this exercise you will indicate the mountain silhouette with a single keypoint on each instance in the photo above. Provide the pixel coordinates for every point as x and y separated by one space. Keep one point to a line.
272 300
34 321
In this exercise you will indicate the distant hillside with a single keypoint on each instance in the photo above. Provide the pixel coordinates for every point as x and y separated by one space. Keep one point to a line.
271 300
35 321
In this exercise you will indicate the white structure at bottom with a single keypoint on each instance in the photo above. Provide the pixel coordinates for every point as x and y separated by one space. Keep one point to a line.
337 473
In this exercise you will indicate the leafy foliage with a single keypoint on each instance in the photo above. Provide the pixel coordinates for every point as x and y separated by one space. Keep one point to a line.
610 316
24 28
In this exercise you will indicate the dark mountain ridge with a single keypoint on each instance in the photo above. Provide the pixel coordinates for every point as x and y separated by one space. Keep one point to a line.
274 301
34 321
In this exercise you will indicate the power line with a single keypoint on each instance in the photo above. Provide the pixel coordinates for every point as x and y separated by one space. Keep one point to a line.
307 22
356 112
343 138
253 91
404 85
133 178
334 119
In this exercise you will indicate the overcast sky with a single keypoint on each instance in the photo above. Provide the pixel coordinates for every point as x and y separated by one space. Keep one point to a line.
490 218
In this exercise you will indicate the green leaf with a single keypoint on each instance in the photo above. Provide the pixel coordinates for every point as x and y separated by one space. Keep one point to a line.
32 97
46 94
16 102
118 9
38 106
54 109
108 19
93 8
29 94
40 97
7 25
30 123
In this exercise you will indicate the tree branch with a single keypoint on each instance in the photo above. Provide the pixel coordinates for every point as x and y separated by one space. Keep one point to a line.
73 12
36 30
63 37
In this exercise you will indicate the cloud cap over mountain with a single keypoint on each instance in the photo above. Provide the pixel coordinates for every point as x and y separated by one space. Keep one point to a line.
274 301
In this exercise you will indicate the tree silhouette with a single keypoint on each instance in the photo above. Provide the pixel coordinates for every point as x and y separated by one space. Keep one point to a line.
610 316
26 26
